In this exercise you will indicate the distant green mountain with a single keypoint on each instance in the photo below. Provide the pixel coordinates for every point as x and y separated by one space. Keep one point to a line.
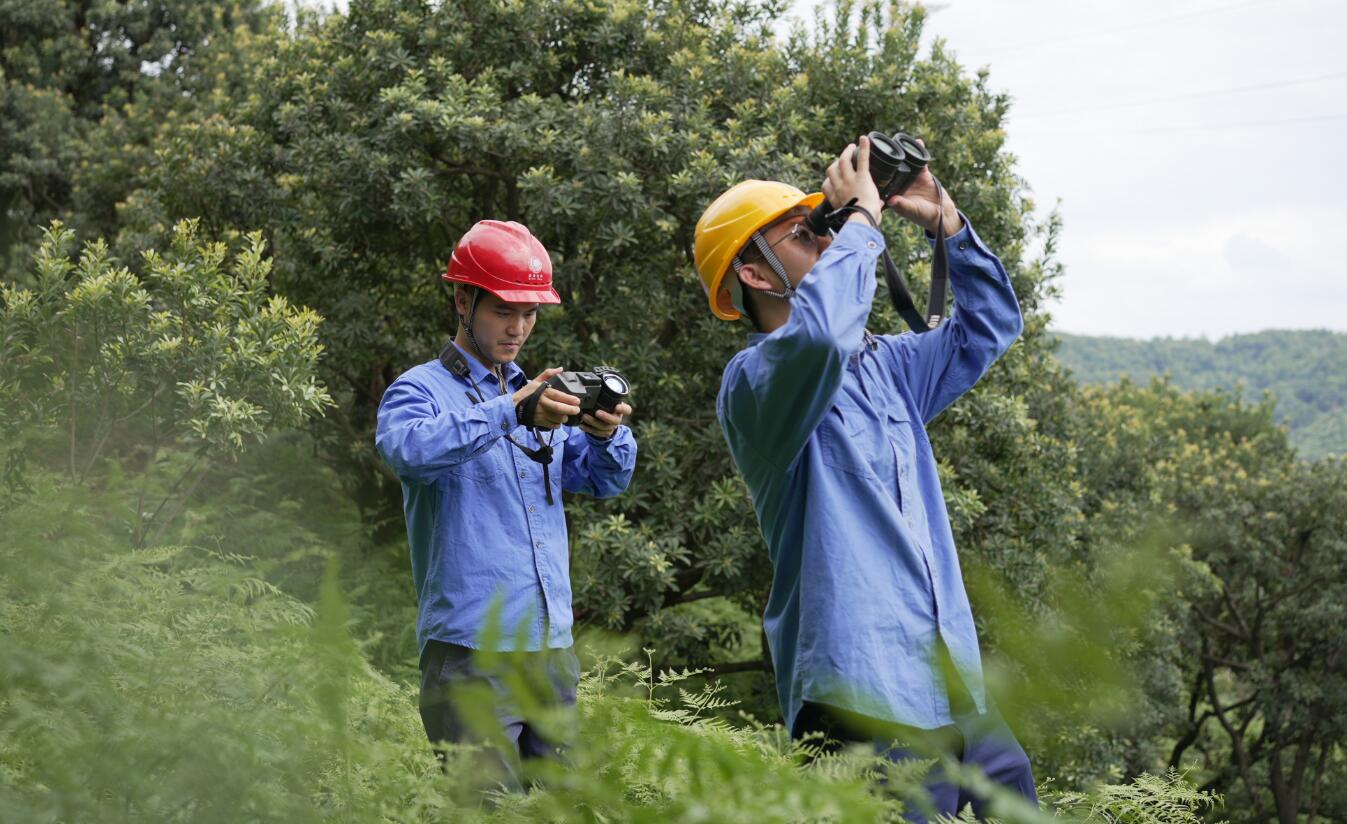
1305 370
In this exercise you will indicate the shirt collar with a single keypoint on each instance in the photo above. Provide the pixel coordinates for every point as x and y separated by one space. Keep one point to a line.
514 375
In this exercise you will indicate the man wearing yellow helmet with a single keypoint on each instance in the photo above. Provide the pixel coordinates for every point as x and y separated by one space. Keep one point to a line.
826 423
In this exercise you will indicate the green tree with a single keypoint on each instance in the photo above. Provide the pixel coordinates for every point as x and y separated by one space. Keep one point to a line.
192 358
363 144
1262 649
1301 368
84 87
380 136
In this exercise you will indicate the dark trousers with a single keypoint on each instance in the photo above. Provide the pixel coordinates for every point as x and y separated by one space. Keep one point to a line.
454 687
979 740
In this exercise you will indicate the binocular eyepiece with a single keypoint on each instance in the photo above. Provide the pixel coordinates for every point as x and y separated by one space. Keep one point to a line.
895 163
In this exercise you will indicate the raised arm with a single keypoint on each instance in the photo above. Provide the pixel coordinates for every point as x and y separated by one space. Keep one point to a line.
776 393
940 365
597 466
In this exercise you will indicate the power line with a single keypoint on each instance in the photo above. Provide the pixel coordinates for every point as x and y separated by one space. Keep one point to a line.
1013 47
1248 124
1187 96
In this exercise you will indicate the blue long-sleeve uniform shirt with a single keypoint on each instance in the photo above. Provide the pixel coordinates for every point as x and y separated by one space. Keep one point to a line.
478 520
826 423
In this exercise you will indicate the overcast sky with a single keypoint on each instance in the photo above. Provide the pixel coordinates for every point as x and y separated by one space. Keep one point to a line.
1221 212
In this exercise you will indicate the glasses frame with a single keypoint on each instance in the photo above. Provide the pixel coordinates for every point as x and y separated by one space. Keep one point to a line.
796 229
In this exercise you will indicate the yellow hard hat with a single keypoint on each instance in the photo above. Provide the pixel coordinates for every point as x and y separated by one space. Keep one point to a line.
728 224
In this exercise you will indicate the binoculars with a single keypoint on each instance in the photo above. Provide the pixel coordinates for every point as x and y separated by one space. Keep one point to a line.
895 162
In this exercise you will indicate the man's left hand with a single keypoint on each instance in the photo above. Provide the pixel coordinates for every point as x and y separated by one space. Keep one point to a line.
921 205
603 424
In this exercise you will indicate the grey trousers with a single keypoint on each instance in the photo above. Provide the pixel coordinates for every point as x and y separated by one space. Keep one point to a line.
446 669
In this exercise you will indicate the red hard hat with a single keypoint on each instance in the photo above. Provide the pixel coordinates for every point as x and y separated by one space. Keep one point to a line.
505 259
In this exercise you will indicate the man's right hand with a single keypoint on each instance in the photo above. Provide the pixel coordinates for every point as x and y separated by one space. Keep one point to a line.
845 183
554 407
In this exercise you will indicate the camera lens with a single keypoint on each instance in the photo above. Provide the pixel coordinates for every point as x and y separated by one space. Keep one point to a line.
615 383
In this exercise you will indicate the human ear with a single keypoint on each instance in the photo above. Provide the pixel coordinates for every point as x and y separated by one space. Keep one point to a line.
752 276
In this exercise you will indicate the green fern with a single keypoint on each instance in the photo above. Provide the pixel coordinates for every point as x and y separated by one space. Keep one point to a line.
1150 799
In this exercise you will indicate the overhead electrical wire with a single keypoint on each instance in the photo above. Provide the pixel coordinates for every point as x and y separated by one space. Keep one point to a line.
1248 124
1030 44
1276 84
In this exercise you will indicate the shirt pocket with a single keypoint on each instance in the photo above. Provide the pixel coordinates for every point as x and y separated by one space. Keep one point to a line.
484 468
850 440
901 446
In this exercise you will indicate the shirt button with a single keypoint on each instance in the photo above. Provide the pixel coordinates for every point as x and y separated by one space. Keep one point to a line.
533 508
870 244
963 244
505 425
538 544
523 474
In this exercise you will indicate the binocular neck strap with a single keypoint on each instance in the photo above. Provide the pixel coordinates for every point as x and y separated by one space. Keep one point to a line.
935 301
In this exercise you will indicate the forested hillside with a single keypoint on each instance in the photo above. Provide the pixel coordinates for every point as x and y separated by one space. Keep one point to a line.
1305 370
222 238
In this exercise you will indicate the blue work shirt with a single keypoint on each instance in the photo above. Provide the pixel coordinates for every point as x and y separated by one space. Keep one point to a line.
478 520
826 423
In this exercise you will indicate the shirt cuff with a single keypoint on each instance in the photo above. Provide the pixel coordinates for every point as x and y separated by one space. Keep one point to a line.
500 410
964 242
608 441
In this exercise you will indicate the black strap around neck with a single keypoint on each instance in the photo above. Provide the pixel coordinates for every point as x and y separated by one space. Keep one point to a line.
453 360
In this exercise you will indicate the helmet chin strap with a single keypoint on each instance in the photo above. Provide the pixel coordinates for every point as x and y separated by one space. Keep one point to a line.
736 292
467 327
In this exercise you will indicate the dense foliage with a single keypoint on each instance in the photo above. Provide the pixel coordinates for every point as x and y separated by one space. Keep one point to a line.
1302 369
223 674
202 546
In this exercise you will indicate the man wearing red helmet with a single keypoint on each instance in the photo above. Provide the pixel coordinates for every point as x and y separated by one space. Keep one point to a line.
483 454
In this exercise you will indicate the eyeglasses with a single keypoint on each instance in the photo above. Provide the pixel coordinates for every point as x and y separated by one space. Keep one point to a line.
801 233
